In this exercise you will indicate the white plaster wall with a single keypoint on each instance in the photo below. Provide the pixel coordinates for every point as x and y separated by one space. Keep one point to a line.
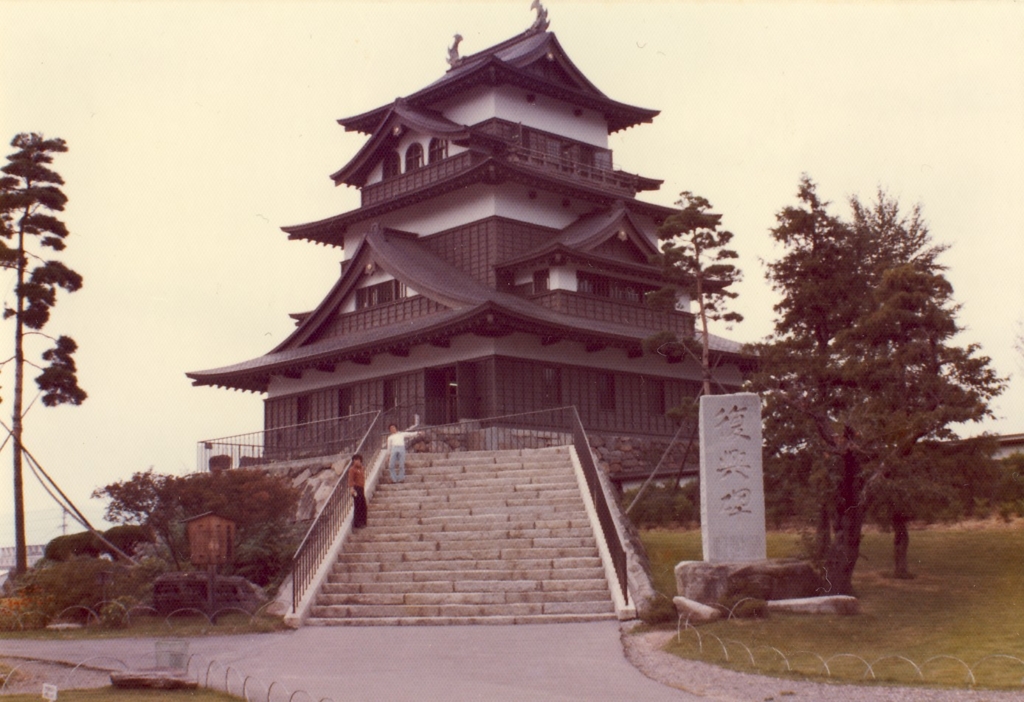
469 107
550 115
513 201
480 201
450 210
561 278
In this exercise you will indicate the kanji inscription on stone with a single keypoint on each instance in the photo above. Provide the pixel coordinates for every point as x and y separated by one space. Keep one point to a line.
731 478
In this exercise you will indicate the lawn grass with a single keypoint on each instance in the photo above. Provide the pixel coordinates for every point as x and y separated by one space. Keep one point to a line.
143 626
117 695
966 601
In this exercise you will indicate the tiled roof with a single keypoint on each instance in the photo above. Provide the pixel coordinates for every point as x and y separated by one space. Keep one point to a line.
404 257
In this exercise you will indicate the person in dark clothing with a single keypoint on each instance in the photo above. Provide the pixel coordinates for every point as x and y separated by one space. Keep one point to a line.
357 485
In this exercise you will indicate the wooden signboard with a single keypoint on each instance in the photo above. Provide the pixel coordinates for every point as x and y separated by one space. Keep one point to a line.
211 539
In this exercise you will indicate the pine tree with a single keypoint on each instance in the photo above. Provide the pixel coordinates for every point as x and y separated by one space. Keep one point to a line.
29 195
862 369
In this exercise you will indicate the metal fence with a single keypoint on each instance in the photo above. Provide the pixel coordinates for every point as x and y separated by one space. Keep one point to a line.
310 440
321 534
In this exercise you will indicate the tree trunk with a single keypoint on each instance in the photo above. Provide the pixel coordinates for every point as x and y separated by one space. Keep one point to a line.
845 547
20 547
900 546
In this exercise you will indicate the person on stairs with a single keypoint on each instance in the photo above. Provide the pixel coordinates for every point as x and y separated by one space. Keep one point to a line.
357 486
396 452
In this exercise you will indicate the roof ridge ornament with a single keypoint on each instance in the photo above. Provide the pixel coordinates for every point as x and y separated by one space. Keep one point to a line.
454 60
541 23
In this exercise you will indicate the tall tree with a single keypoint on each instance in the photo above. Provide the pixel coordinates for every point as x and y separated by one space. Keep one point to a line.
696 266
30 194
862 367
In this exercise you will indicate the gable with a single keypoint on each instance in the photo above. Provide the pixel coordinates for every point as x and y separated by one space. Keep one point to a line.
620 250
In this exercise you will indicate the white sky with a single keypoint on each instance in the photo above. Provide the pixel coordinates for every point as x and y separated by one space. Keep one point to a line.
196 130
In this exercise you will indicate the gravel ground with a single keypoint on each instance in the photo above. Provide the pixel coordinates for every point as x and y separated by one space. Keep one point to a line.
644 650
29 676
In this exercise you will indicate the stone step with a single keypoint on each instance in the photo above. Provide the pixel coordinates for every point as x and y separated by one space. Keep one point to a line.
422 485
522 495
469 597
363 565
502 620
452 481
458 531
408 577
478 457
604 606
484 521
471 538
463 541
495 553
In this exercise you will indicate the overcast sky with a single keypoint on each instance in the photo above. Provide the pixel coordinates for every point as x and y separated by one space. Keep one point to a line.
196 130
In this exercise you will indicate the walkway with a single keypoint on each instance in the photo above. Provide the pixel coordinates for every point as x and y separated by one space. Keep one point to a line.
549 662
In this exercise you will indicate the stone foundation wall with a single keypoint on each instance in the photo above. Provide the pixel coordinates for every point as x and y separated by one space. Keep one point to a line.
619 454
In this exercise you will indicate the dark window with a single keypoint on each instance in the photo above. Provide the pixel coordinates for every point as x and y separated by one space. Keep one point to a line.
302 409
392 165
379 294
551 387
655 396
344 402
540 281
413 157
438 150
606 391
390 396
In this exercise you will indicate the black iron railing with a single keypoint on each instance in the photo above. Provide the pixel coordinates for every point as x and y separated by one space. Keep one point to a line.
600 499
327 437
321 534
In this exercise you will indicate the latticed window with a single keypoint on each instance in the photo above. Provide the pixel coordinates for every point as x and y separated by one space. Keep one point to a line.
413 157
624 290
379 294
392 165
438 149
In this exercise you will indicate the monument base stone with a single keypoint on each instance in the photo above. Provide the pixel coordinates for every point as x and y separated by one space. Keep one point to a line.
770 579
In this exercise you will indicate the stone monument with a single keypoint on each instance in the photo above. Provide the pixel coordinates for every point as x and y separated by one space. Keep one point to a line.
731 478
732 519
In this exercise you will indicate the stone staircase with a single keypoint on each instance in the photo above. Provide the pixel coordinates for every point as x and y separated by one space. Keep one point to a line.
488 537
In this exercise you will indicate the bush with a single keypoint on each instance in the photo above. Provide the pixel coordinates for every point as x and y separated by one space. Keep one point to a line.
69 546
73 588
115 613
665 506
127 536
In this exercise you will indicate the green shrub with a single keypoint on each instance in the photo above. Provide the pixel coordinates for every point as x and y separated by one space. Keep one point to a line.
115 613
664 506
69 546
127 536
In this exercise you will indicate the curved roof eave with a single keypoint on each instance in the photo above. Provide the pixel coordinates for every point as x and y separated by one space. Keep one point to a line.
328 231
357 169
493 71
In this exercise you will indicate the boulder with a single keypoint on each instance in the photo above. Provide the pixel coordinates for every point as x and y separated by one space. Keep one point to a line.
695 612
772 579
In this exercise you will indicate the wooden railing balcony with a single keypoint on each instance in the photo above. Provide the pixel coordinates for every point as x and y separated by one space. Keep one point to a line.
419 178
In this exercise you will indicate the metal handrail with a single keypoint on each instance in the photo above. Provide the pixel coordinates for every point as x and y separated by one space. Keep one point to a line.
321 533
612 538
308 440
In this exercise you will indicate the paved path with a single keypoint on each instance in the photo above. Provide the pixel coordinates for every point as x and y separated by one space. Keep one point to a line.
549 662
